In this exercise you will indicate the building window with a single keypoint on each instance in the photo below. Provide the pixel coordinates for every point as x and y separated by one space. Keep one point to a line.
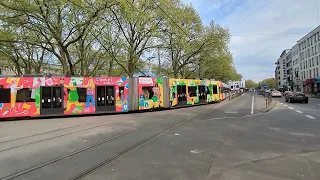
312 51
312 62
310 73
317 70
317 60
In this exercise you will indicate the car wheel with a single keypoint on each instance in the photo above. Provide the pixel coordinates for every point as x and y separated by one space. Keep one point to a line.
306 101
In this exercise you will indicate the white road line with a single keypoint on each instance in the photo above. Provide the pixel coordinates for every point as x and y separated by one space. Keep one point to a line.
299 111
281 103
252 104
290 107
310 117
286 105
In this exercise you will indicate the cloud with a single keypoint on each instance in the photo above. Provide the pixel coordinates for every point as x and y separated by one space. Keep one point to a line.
254 53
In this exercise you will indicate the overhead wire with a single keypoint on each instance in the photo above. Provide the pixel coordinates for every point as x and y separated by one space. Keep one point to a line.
251 13
267 34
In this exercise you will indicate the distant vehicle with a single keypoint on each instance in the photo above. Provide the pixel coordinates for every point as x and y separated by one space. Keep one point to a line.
276 94
296 97
286 92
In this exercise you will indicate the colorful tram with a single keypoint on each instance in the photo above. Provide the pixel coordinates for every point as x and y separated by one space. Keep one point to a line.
33 96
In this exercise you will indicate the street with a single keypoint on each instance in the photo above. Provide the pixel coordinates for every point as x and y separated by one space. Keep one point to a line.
235 140
310 110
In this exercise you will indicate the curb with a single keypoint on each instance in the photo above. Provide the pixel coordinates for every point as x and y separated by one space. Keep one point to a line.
269 108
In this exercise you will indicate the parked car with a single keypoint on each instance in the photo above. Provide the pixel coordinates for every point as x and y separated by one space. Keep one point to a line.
276 94
296 97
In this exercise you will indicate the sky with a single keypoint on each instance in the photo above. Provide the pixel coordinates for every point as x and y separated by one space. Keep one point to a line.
255 54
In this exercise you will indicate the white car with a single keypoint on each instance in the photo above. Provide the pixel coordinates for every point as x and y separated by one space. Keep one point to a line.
276 94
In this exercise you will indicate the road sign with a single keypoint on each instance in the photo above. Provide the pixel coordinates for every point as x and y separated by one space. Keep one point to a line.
265 86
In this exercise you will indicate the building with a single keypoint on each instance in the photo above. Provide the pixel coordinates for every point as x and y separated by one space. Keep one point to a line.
295 79
299 68
237 85
309 56
281 70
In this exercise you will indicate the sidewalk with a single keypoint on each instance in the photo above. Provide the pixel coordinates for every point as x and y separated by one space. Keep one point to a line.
310 96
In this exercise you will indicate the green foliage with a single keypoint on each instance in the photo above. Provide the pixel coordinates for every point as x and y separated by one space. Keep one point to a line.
110 37
250 84
270 82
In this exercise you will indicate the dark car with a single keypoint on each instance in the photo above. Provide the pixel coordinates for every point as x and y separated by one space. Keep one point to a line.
296 97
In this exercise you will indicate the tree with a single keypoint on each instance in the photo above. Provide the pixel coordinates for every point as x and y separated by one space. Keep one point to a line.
182 38
270 82
137 24
113 37
58 24
250 83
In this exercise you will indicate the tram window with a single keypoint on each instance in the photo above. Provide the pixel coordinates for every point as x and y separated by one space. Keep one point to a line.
24 95
192 91
147 92
4 95
214 89
121 91
208 90
82 92
110 96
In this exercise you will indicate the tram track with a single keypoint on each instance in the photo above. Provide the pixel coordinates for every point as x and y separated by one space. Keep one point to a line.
47 132
54 137
127 150
108 161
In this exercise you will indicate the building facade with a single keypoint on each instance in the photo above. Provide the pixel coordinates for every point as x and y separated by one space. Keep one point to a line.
281 70
309 48
299 68
237 85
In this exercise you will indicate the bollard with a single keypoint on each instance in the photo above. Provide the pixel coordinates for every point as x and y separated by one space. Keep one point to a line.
266 102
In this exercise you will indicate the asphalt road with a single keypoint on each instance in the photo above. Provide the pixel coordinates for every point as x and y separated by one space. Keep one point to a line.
311 109
230 140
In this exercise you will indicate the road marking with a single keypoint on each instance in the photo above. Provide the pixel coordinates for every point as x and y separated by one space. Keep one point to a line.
286 105
310 117
281 103
290 107
252 104
299 111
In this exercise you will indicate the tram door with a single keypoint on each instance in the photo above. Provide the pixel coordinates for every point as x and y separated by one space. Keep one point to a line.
182 95
105 98
51 100
202 94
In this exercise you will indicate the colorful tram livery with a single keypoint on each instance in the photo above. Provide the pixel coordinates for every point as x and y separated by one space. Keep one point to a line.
32 96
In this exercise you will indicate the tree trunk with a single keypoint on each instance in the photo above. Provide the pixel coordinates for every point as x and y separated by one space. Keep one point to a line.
63 60
131 64
110 67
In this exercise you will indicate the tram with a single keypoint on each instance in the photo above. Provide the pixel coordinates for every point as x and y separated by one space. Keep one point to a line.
52 95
